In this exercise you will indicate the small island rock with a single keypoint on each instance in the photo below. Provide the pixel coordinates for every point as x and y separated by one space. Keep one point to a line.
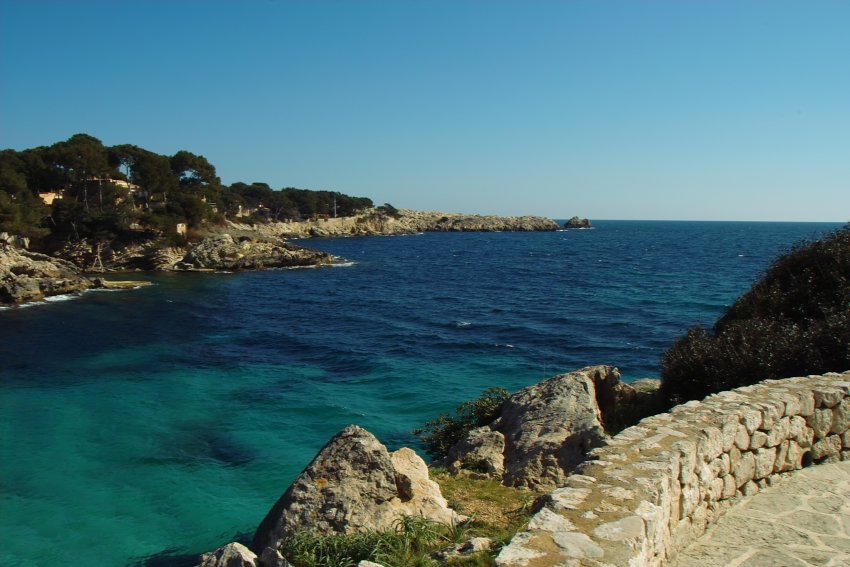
576 222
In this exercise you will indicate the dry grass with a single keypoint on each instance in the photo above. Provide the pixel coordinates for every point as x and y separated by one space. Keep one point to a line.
493 507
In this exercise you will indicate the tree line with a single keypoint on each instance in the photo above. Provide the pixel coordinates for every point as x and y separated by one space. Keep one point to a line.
80 188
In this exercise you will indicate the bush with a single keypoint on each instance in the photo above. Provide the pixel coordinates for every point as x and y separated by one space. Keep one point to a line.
794 321
438 435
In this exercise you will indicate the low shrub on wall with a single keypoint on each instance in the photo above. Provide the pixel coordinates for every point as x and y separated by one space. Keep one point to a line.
794 321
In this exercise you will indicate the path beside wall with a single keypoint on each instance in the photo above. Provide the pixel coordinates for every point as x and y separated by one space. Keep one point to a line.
657 486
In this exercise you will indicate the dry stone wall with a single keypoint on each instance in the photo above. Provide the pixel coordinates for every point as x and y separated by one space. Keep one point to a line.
658 485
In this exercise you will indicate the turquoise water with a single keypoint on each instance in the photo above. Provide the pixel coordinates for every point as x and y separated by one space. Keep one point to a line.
145 427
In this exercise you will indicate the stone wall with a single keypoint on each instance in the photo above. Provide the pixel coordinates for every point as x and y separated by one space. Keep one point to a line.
658 485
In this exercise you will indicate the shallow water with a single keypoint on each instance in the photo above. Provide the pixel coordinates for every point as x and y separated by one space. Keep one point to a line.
145 427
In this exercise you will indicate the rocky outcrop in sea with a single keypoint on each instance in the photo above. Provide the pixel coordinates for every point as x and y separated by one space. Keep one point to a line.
577 222
28 276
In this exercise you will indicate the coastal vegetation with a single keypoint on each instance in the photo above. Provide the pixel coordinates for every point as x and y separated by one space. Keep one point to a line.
440 434
80 188
794 321
495 512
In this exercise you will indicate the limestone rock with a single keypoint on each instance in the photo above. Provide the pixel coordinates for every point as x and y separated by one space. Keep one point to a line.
403 221
354 484
576 222
550 427
29 276
222 252
231 555
473 546
481 451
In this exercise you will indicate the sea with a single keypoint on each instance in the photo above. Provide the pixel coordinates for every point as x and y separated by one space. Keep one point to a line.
141 428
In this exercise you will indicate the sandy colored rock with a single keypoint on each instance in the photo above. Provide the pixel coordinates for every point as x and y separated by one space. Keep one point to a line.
481 451
223 252
550 427
28 276
231 555
353 485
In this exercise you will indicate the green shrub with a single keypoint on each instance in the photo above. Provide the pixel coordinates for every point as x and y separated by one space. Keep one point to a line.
794 321
410 543
438 435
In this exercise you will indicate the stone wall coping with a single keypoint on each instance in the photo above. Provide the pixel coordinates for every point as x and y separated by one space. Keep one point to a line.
658 485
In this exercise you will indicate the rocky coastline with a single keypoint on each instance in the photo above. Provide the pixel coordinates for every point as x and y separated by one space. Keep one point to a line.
401 222
28 276
356 485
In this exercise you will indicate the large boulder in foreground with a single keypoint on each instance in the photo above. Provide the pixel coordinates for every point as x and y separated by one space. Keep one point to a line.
544 431
354 484
550 427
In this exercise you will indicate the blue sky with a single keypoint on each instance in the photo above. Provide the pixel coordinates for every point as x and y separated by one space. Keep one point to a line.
605 109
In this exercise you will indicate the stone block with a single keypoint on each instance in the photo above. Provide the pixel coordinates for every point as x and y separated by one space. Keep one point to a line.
750 488
793 458
771 410
729 488
705 476
826 447
827 397
806 438
709 444
845 439
796 426
728 431
841 417
764 459
807 403
687 460
830 459
751 419
792 404
734 458
845 455
758 439
781 456
746 469
715 490
779 432
742 438
821 422
690 500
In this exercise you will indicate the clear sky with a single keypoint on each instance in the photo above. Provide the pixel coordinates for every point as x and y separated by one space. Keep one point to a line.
630 109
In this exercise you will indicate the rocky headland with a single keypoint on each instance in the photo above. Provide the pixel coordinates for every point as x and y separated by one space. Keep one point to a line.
29 276
403 221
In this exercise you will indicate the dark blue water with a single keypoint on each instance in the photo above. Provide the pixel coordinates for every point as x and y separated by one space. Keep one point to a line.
136 427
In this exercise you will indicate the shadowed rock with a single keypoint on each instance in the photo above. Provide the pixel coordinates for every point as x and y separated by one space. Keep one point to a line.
544 431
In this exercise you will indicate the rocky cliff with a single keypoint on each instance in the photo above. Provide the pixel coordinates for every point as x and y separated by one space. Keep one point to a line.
27 276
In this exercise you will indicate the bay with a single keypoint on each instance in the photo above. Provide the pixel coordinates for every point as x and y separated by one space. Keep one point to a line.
142 428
